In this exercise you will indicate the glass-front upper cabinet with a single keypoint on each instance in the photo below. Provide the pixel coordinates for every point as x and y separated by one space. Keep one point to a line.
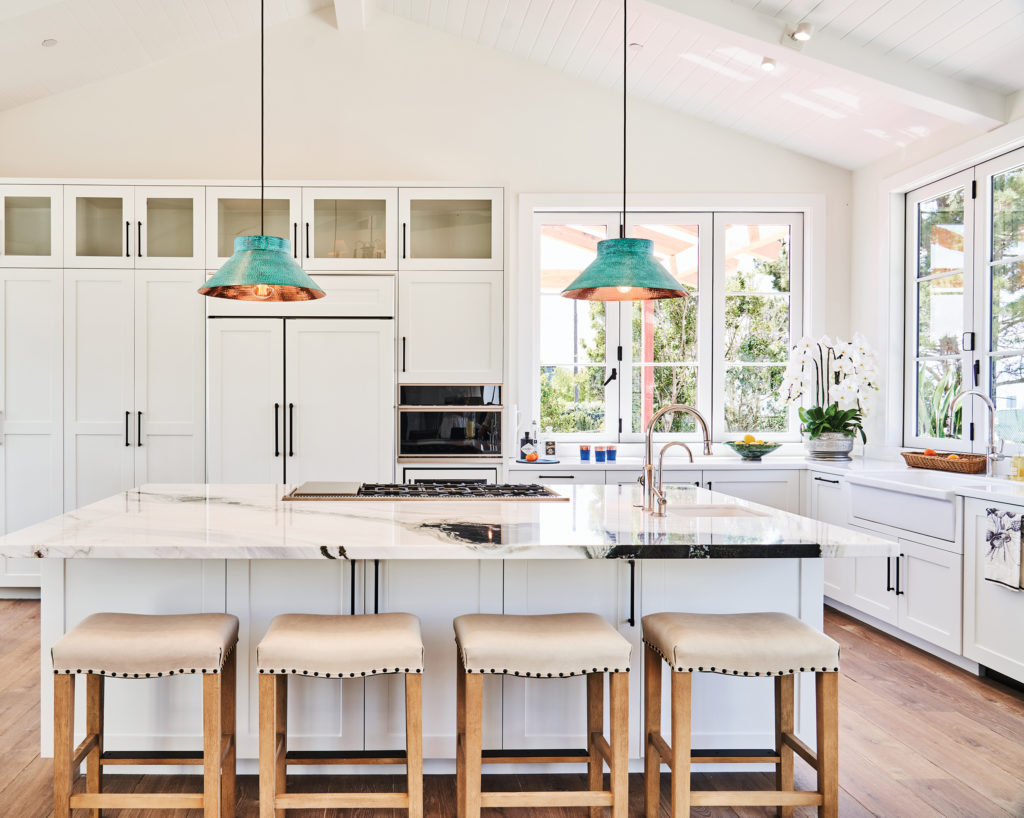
235 211
30 217
451 228
349 228
113 226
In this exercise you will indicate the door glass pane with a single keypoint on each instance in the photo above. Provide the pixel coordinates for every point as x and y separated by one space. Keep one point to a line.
27 225
937 382
169 228
450 228
658 386
241 217
752 400
572 398
1008 214
940 315
756 328
757 258
1008 395
940 234
99 226
1008 306
349 228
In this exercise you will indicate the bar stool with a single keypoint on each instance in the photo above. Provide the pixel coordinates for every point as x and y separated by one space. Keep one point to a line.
553 646
756 644
135 646
338 647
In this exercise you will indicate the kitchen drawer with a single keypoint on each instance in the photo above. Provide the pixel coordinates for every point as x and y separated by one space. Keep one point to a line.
901 510
555 477
348 296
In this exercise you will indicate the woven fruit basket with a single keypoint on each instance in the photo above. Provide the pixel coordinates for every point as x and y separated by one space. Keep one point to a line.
961 463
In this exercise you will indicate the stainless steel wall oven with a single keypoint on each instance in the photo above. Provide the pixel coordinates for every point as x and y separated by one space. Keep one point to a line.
449 421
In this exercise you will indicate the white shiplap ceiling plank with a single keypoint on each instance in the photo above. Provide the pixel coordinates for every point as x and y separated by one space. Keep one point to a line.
605 19
491 26
558 17
533 23
474 20
437 13
455 17
569 34
669 69
512 24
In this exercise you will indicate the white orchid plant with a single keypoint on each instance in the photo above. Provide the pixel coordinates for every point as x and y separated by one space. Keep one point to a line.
833 383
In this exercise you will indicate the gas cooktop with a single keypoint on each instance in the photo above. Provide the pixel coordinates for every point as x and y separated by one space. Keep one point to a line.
439 490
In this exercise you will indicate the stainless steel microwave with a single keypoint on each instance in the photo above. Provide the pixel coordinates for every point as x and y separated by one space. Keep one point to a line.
440 421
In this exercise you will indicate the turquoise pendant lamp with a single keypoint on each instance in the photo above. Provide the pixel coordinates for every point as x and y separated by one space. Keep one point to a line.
262 267
625 269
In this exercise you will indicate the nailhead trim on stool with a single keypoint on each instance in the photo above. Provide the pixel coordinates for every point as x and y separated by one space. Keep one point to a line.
728 672
157 675
296 671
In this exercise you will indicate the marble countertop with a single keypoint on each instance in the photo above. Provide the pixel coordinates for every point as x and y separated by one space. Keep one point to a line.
597 522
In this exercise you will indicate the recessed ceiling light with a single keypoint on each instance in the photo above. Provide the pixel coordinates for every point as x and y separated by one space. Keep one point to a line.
49 42
803 32
767 65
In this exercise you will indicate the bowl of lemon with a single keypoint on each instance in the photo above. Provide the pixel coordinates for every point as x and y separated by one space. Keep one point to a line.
751 448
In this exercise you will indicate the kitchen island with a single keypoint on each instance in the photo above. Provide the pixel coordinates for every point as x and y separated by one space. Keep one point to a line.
244 550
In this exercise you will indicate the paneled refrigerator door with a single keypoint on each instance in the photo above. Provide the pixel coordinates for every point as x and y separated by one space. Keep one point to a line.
30 408
245 400
340 388
170 339
235 211
99 226
99 436
168 227
349 228
30 220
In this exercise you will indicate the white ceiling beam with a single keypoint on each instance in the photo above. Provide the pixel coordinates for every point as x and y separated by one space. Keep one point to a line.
352 15
923 89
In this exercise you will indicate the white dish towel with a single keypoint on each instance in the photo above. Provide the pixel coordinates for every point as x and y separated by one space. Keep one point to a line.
1002 559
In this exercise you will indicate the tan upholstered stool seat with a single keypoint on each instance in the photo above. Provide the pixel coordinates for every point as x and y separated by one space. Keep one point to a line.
142 646
754 644
548 645
340 646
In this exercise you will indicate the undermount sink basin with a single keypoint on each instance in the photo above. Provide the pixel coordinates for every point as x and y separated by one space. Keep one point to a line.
714 511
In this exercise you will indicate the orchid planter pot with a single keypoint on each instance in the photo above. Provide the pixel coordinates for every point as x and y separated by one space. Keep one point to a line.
830 446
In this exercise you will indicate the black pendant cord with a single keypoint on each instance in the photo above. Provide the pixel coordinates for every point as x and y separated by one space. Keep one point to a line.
625 56
262 231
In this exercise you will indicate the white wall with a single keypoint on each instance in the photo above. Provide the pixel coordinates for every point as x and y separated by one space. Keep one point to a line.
401 101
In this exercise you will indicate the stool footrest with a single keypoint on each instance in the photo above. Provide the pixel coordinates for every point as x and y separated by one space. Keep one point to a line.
730 756
151 757
578 798
559 756
754 798
345 757
342 800
801 749
135 800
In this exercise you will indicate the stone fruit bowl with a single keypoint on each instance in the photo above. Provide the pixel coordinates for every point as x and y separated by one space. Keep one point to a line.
754 451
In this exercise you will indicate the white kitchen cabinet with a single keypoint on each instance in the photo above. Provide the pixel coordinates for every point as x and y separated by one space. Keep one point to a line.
245 400
929 591
778 488
416 474
332 436
538 474
993 613
436 591
235 211
451 228
346 296
120 226
350 228
281 405
874 587
450 327
828 501
133 381
30 226
30 409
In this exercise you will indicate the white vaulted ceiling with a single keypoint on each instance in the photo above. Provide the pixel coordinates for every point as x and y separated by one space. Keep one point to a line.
877 75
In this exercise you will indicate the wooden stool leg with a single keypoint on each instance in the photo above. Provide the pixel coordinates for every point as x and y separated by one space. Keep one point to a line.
784 724
94 726
681 688
827 706
460 739
473 743
63 743
652 724
414 743
595 724
212 690
619 729
281 738
227 727
268 744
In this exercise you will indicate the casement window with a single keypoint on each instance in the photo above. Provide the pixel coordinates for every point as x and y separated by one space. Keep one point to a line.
965 305
603 369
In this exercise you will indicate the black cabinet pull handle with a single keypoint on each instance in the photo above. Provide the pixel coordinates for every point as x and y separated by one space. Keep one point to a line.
632 593
295 243
403 353
403 239
555 476
352 587
138 244
138 431
307 239
826 480
376 586
709 485
888 574
899 591
126 416
291 430
127 239
277 430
